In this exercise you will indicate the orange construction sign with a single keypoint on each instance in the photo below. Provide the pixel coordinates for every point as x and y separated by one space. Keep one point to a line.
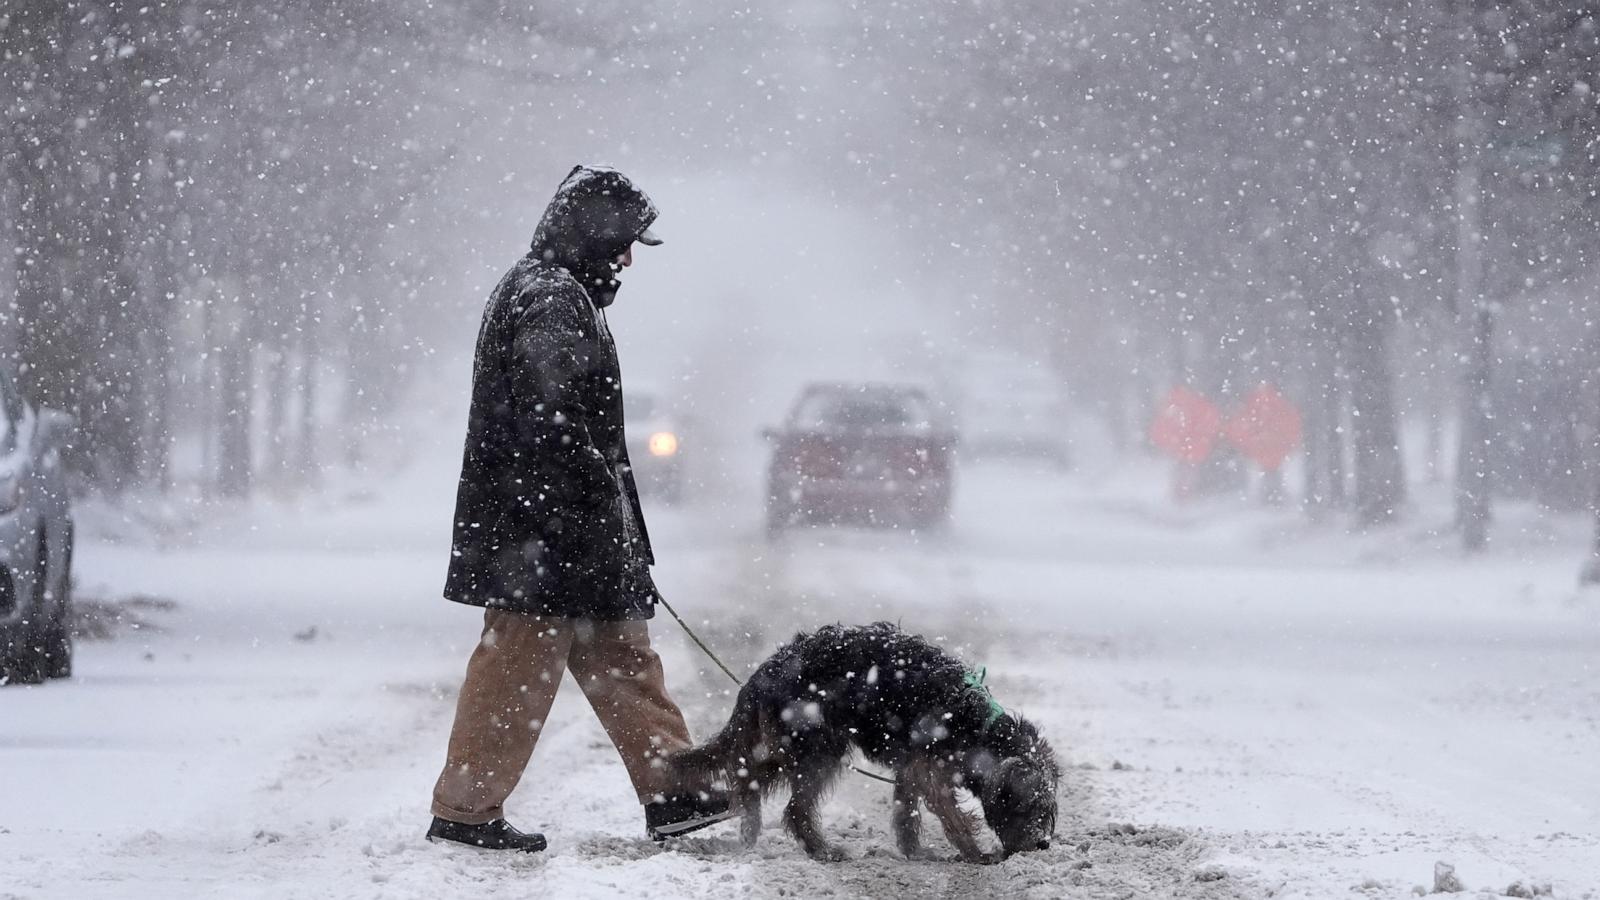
1265 428
1186 425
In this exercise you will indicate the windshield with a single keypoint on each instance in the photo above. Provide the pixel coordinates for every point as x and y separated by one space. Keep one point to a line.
900 410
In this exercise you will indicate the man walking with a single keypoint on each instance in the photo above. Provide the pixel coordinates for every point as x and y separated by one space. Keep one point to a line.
549 535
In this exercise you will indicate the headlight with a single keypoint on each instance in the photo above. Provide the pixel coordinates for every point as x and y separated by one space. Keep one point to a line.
663 443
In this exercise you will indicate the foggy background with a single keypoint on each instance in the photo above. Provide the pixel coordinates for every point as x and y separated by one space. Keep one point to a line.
245 231
251 242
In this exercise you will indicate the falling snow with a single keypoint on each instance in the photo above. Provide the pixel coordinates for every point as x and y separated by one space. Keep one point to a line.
1220 377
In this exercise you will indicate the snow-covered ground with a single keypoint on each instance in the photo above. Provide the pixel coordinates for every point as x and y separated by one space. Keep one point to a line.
1246 707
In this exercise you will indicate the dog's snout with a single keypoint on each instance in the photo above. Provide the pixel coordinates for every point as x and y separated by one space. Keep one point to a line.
1044 845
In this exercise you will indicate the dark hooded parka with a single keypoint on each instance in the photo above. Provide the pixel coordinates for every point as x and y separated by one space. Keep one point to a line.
547 513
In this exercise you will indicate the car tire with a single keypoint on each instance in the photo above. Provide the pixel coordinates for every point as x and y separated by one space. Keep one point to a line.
20 659
55 639
931 518
62 668
55 653
777 522
781 516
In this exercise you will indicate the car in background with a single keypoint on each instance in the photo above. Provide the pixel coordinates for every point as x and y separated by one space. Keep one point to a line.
1011 409
656 445
35 542
879 453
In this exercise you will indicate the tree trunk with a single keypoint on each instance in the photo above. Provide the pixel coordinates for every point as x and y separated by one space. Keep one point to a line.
1473 483
280 401
1476 322
1590 574
158 434
1324 471
116 363
1440 365
310 359
233 426
162 252
209 406
1379 470
1312 496
10 332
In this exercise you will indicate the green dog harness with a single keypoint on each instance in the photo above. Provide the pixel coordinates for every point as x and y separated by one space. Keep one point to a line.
974 680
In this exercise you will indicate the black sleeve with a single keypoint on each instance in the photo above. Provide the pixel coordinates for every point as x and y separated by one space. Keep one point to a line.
552 348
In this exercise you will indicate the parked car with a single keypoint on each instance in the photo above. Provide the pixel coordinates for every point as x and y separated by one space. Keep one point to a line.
35 542
656 445
869 452
1013 410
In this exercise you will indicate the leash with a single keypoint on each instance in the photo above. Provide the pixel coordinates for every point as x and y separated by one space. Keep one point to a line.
699 643
736 680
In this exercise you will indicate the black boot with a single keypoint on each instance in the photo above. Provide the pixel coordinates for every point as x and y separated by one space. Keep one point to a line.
496 835
679 814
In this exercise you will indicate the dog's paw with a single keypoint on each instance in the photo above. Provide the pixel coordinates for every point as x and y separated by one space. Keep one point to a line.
984 859
828 853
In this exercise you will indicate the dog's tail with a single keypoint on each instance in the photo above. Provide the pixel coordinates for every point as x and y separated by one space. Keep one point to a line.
731 748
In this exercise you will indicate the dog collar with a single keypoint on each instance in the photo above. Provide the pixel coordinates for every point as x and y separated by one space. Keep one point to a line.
974 680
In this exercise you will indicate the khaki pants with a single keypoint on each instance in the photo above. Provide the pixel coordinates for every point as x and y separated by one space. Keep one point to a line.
512 680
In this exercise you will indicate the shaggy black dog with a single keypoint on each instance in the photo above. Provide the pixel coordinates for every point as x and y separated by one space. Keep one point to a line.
908 706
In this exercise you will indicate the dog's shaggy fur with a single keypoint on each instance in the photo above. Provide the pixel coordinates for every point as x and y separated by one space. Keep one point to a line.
908 706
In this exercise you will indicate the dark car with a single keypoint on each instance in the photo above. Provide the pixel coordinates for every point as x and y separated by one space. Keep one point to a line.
877 453
35 542
656 445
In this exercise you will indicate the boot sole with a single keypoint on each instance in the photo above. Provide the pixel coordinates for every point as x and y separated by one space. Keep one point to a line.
675 829
435 839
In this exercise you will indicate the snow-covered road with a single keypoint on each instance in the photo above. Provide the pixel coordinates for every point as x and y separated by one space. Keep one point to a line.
1271 718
